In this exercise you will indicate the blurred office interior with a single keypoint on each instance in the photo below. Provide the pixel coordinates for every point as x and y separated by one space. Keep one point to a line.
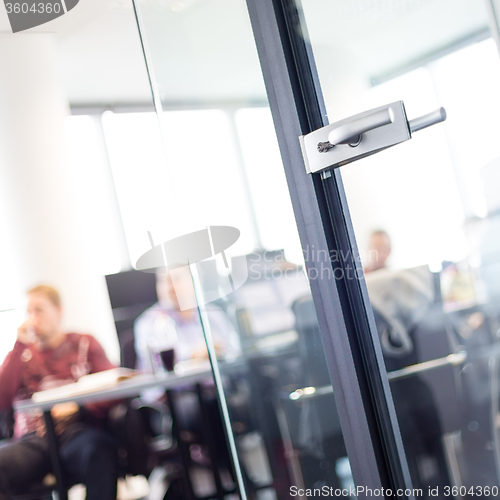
92 173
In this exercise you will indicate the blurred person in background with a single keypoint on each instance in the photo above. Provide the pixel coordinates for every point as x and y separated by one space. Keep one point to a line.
44 357
165 326
379 251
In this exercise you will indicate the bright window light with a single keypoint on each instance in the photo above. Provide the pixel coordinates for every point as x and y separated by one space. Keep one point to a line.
267 182
467 83
98 215
423 191
194 184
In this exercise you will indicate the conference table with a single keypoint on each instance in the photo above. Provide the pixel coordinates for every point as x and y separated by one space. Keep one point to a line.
185 375
125 389
129 388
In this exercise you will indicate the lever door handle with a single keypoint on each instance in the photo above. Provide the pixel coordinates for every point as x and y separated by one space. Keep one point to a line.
366 133
350 133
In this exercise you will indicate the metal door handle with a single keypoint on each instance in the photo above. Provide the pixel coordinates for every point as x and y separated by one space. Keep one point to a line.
427 120
362 135
351 132
455 359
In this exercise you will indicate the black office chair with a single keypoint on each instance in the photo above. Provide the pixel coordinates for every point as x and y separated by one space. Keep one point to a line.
39 491
413 330
128 354
152 436
428 405
314 420
139 449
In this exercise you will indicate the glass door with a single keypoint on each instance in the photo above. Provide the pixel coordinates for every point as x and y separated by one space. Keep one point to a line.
218 228
349 303
425 216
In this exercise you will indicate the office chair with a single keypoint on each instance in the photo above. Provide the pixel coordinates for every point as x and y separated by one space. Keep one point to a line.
130 294
154 437
429 403
138 448
479 443
315 420
39 491
128 354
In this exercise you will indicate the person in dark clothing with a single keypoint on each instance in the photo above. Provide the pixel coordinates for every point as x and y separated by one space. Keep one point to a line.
43 357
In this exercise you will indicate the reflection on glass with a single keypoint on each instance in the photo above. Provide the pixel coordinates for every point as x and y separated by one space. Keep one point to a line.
425 217
253 297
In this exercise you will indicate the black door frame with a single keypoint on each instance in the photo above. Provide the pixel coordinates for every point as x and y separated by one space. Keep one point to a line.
345 317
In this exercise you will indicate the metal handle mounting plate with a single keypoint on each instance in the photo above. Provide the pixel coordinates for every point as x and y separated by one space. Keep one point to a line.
362 135
373 139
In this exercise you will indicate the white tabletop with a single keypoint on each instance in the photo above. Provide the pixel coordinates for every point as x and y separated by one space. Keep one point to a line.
128 388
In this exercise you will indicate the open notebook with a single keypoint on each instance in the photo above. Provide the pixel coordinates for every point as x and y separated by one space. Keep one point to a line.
89 383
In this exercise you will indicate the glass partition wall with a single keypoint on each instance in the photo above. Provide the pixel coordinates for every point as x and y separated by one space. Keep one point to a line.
160 176
425 216
192 166
65 227
221 210
164 157
162 139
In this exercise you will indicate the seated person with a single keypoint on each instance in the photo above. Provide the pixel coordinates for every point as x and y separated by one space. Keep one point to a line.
166 326
43 357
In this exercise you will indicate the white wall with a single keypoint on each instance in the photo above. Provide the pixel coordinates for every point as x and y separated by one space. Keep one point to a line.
42 232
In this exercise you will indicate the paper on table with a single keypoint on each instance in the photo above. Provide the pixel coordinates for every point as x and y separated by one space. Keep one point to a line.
89 383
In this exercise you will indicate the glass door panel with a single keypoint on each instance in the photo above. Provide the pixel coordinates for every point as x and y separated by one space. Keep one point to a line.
224 213
425 215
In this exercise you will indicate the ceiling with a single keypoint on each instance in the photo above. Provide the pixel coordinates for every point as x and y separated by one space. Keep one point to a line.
203 50
382 36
